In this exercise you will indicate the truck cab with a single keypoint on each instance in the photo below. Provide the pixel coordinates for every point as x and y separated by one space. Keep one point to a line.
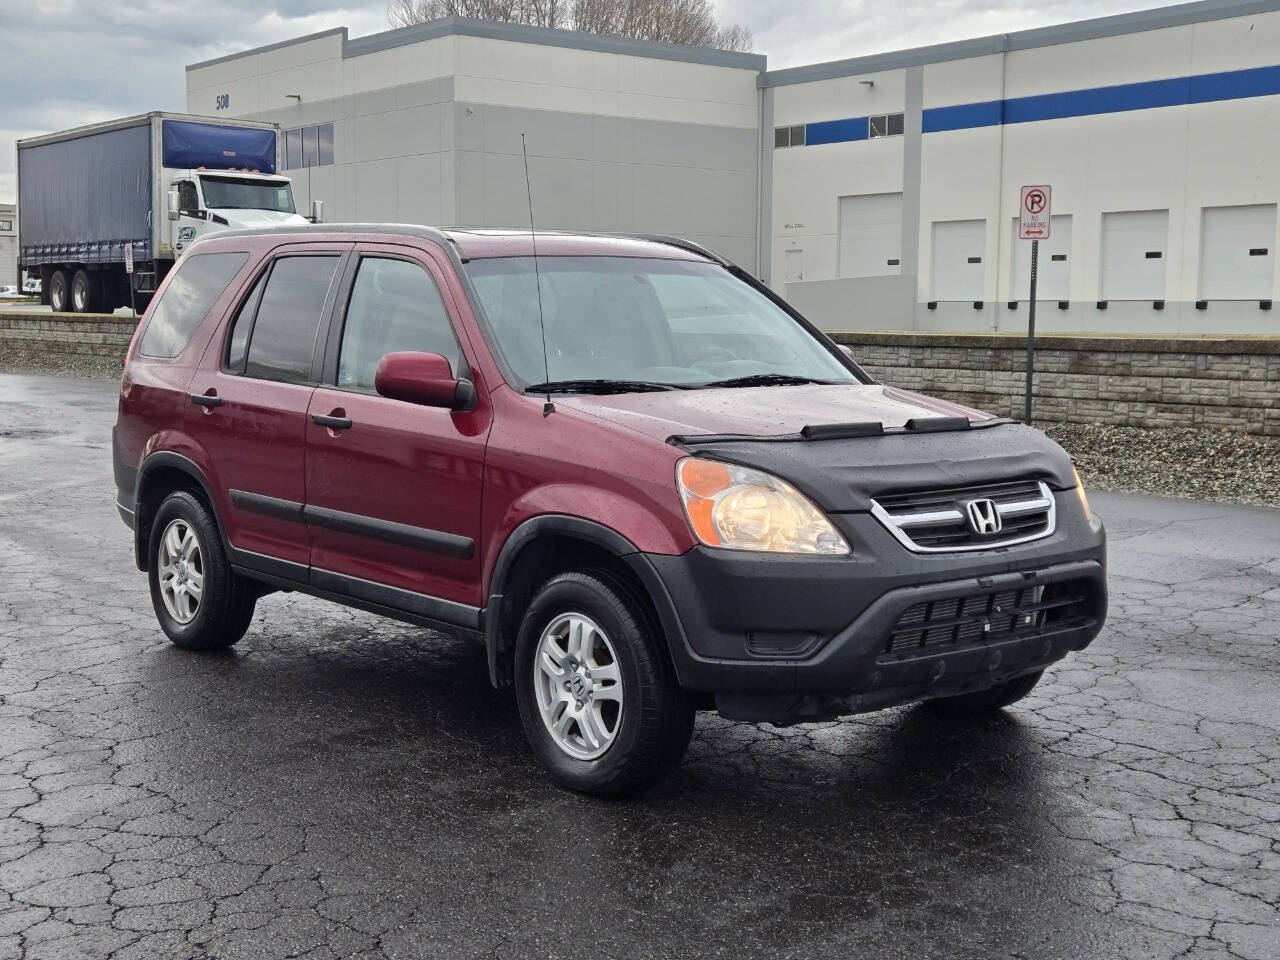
205 201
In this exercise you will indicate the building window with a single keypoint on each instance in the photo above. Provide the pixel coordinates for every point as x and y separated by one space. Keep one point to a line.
6 224
308 146
789 136
885 125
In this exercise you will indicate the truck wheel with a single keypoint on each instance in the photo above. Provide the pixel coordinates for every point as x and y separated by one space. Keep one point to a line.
986 701
59 292
200 602
598 699
85 292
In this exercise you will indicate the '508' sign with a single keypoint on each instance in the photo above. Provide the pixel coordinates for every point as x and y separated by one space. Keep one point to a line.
223 101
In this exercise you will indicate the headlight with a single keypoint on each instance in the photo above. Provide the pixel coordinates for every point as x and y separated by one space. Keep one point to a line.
1084 497
737 508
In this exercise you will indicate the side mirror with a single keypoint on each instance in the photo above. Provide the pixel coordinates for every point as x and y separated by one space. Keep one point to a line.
425 379
317 211
847 351
174 211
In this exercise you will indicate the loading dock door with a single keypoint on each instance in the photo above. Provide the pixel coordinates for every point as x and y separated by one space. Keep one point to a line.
871 235
1237 252
958 248
1053 279
1135 246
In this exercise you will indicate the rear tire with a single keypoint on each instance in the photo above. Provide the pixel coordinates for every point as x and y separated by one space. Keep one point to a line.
643 721
86 292
986 701
59 292
186 558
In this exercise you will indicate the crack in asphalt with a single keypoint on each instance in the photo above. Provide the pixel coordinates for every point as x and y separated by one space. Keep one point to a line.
340 786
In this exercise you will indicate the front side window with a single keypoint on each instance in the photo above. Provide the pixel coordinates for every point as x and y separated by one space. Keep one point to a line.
188 202
665 322
283 338
223 193
199 281
394 306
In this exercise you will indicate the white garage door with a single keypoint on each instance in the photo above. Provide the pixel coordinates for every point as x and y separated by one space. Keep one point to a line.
958 247
1053 281
1237 252
871 235
1134 249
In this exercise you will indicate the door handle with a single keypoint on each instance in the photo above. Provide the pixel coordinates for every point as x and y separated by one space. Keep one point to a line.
207 400
332 422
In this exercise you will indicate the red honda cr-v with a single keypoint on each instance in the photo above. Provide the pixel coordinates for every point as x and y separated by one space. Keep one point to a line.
645 483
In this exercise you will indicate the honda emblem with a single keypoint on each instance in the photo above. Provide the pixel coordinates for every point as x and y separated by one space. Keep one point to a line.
984 517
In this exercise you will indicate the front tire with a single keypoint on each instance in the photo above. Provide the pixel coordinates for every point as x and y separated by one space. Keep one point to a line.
200 602
598 698
986 701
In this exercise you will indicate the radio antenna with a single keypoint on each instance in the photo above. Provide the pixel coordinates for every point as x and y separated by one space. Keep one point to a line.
547 407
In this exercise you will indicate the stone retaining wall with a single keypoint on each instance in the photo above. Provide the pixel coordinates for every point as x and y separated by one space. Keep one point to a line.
1231 384
62 333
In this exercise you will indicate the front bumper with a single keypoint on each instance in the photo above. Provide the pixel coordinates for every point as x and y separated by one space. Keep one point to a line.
785 638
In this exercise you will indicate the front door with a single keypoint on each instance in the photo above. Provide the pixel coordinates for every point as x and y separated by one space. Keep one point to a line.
249 408
394 488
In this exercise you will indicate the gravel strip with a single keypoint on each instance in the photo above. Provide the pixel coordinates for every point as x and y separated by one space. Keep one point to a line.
86 365
1190 463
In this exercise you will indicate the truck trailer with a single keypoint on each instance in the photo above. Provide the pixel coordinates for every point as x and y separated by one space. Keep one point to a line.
145 186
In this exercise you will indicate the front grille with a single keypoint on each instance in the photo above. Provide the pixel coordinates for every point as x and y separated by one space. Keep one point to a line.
938 521
988 617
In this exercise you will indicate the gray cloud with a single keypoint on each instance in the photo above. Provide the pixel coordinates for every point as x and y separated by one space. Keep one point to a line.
79 61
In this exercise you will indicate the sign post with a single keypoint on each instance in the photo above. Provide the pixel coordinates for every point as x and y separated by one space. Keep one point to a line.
128 271
1033 225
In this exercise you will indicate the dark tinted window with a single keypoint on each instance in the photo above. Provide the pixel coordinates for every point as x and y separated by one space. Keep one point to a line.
394 306
310 146
238 344
292 149
200 280
325 132
284 332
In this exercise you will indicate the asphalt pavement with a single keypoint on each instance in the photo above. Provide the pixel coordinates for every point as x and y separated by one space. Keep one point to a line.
344 786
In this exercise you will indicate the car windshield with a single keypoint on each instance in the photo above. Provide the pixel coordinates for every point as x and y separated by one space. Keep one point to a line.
641 323
222 193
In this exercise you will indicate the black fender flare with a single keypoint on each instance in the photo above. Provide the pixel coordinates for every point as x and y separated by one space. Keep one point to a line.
176 461
546 525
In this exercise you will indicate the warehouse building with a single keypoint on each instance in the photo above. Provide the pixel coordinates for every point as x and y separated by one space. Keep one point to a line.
8 245
876 193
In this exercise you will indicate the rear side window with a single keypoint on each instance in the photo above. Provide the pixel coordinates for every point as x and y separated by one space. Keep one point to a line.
394 306
283 337
186 301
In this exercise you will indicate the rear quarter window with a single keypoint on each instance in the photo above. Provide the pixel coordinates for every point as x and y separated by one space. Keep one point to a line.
199 281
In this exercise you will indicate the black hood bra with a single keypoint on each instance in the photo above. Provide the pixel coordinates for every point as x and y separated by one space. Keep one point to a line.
844 471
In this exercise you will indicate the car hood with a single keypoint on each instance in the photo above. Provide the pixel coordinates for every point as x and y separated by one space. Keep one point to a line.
759 427
763 411
238 218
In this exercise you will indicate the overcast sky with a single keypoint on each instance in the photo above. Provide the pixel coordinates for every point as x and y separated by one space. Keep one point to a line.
69 62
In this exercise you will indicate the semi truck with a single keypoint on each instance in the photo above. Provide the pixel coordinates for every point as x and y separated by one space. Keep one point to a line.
135 193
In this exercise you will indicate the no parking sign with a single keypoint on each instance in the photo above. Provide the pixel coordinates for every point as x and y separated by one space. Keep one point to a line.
1033 213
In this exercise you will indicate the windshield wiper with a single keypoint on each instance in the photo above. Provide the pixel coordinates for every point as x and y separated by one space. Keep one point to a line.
766 380
601 386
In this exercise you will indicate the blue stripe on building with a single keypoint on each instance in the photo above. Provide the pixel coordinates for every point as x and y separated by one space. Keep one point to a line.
836 131
1148 95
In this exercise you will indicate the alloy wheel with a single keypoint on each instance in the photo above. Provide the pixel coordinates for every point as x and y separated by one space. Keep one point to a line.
181 571
578 683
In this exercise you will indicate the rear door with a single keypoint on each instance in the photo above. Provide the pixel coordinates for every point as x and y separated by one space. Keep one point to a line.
250 401
394 488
